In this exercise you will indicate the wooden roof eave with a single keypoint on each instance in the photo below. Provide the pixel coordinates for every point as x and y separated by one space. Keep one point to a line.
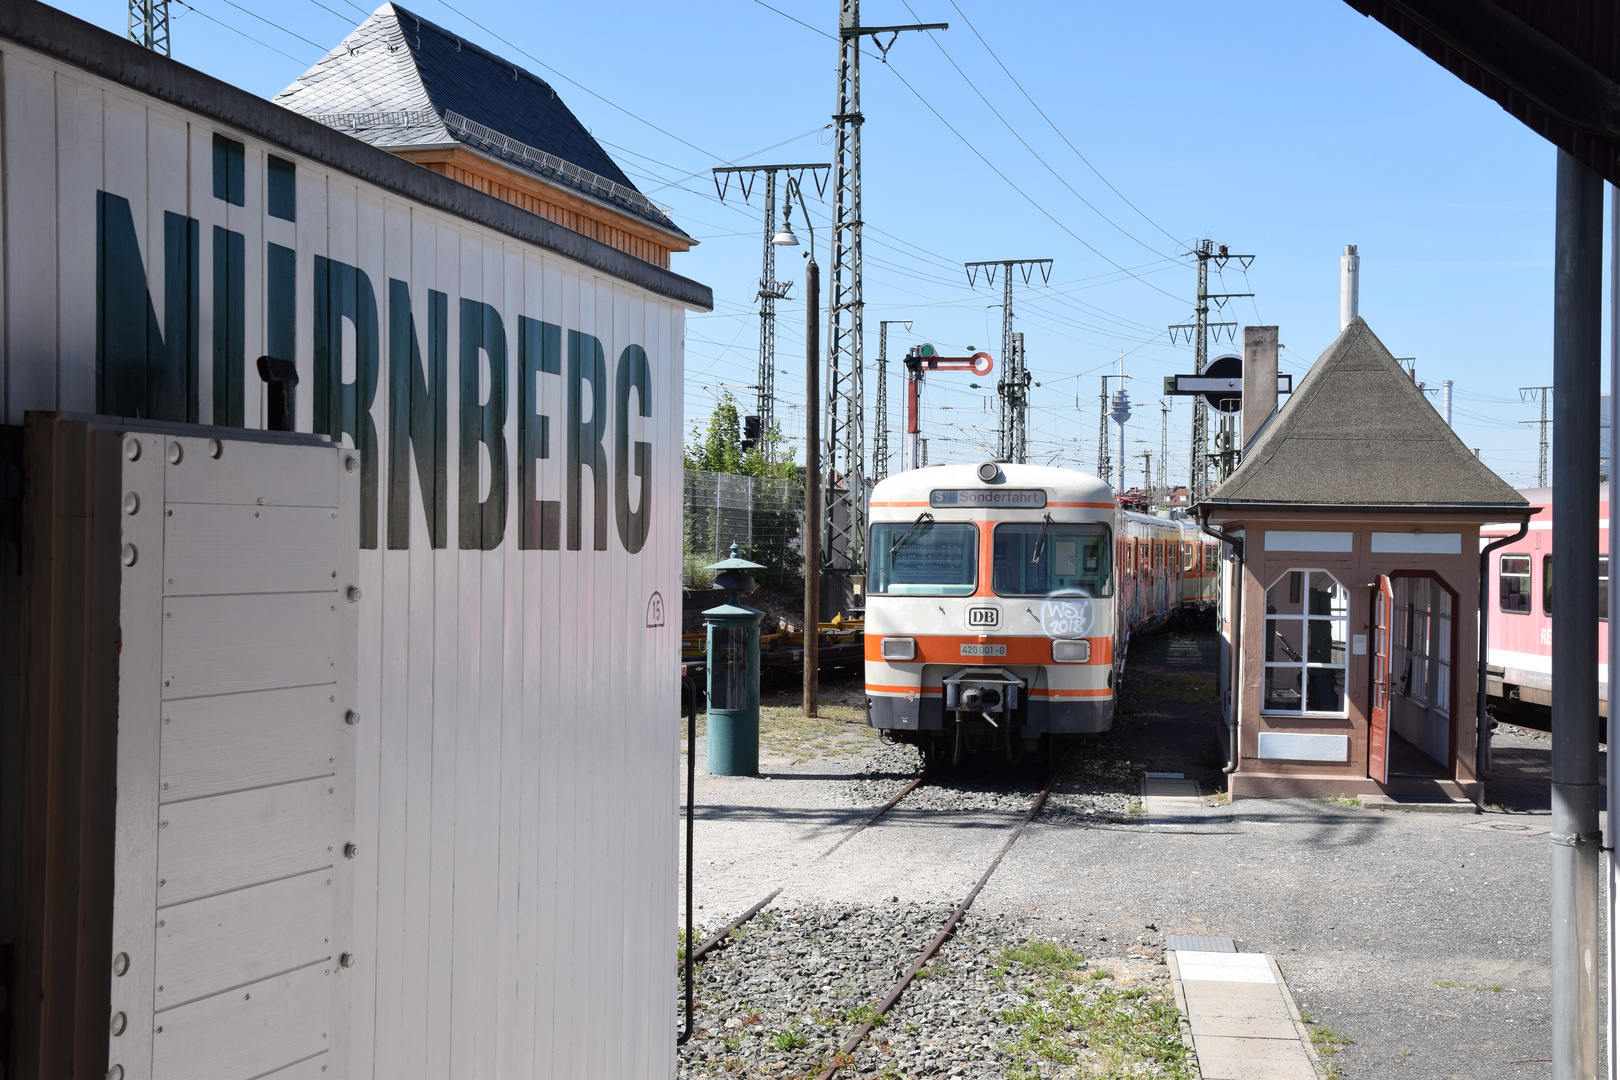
1232 509
674 239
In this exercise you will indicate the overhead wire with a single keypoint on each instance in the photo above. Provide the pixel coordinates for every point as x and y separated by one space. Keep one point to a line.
1056 129
240 33
1024 142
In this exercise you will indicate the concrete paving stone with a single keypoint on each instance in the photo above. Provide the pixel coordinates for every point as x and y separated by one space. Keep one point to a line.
1226 1058
1212 999
1278 1026
1225 967
1180 943
1155 787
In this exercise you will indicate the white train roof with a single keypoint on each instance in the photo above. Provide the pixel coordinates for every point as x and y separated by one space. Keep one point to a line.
913 487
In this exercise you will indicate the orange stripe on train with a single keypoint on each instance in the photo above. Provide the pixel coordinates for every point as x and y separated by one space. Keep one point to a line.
947 649
1039 691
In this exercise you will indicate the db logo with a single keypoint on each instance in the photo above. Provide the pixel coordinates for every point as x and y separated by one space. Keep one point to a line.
983 618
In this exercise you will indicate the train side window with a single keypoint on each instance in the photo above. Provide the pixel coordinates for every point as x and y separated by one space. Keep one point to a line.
1188 562
1209 559
1513 588
1603 588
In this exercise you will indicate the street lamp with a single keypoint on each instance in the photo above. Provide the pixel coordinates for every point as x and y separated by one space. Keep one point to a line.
812 442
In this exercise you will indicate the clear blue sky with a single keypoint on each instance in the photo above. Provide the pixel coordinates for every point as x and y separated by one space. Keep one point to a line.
1285 129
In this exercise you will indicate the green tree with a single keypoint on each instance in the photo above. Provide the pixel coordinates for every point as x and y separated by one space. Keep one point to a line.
718 447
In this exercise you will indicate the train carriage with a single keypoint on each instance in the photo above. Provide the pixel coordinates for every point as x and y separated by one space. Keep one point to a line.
1001 600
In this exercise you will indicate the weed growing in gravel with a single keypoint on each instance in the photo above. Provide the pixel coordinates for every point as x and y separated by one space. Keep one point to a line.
680 946
1341 800
1492 987
791 1039
933 968
1137 807
1327 1043
865 1014
1123 1031
1045 957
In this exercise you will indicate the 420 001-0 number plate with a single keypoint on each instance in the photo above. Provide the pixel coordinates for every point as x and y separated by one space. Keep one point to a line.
984 650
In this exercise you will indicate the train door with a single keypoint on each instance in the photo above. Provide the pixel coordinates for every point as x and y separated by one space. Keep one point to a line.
1378 728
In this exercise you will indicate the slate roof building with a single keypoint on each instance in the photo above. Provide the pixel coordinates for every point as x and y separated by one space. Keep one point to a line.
1349 617
409 86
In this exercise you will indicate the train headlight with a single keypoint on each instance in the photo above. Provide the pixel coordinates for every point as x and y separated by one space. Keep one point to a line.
1067 651
898 648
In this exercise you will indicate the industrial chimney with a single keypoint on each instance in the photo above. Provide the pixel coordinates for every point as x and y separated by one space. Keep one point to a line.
1349 286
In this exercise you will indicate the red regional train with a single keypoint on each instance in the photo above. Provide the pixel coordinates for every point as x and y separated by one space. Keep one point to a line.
1518 665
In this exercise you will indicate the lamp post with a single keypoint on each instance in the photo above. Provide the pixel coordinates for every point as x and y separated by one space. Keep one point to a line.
812 443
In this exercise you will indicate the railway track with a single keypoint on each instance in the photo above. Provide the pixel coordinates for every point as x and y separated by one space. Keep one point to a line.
851 1044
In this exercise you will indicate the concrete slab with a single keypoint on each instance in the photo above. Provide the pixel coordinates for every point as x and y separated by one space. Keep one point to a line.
1270 1026
1184 943
1223 1057
1238 1000
1225 967
1419 805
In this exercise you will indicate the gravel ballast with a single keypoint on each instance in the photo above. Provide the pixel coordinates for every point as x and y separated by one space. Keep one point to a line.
780 999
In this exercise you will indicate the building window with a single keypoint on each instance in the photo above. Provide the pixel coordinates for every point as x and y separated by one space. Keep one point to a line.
1513 588
1307 619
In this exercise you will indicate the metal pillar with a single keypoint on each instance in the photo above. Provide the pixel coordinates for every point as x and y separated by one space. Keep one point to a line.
1577 361
1105 467
1020 425
1013 386
770 289
1614 650
1164 449
149 24
846 403
880 434
812 486
1197 332
1542 394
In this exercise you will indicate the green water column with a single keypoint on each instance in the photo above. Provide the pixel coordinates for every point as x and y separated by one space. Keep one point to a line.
733 722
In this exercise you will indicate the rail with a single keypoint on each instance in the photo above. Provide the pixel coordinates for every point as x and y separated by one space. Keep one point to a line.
849 1046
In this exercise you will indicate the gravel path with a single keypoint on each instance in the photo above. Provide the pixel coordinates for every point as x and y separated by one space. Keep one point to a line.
1422 938
780 999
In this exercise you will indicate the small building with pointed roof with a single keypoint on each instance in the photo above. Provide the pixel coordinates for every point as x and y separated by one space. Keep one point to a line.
418 90
1350 614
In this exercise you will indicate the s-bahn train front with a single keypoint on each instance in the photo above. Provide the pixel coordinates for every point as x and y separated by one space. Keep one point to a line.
990 608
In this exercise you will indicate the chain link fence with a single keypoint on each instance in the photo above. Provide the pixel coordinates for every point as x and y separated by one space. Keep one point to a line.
764 518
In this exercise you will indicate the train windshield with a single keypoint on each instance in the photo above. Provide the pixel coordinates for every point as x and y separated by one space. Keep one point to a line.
924 558
1039 558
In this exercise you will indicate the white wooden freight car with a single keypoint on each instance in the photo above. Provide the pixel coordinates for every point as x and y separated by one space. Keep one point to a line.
511 392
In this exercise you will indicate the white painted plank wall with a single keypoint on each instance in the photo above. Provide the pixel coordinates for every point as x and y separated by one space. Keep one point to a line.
515 889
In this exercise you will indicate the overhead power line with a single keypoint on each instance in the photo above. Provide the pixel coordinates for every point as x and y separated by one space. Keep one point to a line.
1025 142
1026 196
1055 128
240 33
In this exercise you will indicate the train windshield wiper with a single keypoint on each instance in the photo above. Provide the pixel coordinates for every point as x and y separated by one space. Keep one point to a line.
1040 540
924 518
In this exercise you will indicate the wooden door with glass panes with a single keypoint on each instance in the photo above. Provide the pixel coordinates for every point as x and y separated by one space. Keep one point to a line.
1378 728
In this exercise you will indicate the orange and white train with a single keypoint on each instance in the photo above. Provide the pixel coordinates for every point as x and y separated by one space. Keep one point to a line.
1001 600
